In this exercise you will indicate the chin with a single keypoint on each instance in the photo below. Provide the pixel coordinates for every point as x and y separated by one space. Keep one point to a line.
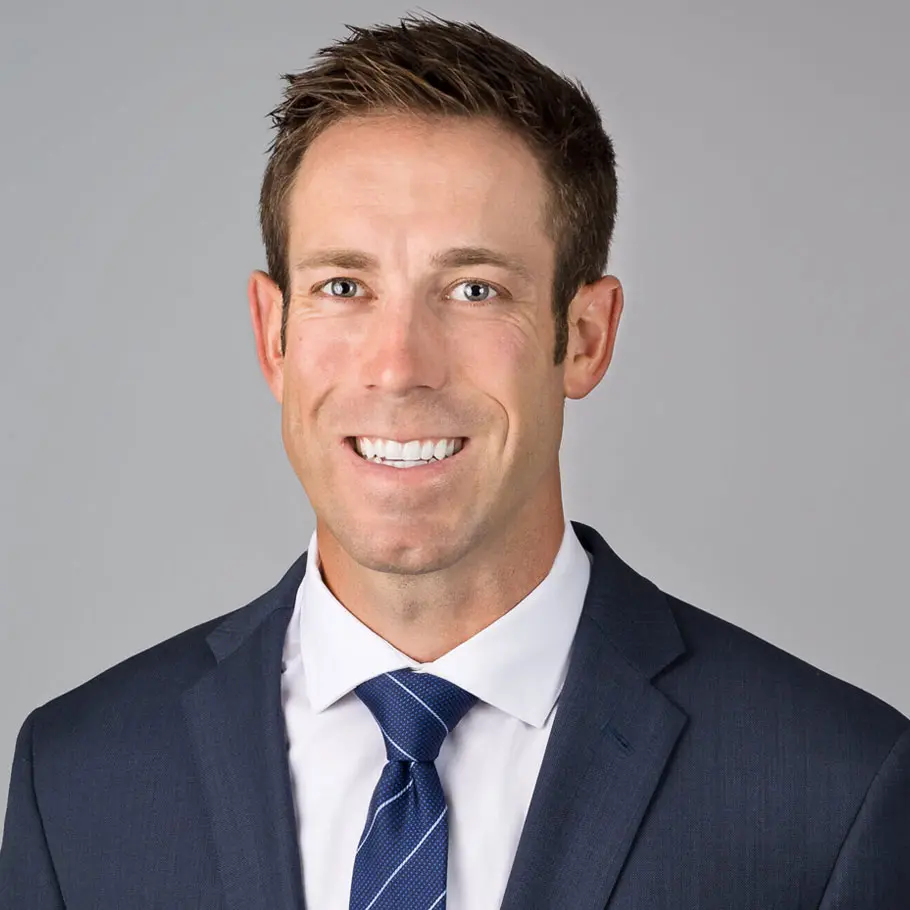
403 554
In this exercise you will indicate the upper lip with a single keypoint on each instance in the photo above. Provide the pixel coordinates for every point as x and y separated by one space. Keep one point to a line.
406 438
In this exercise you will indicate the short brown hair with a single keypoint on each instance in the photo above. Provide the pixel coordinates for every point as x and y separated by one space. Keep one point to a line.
435 67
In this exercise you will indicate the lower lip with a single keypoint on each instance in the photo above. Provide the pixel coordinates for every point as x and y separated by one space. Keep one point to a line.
421 473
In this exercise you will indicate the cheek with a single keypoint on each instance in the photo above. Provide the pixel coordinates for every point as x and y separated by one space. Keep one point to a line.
510 355
314 363
316 357
528 377
513 368
509 343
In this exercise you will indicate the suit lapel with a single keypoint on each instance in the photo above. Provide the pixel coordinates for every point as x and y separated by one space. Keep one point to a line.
236 724
612 736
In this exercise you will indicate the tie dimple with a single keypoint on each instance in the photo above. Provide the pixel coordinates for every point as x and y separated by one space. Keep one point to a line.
401 859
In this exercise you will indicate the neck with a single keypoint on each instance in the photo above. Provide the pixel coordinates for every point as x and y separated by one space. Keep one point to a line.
427 614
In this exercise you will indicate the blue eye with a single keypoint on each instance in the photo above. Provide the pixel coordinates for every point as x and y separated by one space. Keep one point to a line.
340 282
475 286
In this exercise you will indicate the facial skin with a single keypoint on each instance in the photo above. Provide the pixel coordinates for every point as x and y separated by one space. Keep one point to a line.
406 349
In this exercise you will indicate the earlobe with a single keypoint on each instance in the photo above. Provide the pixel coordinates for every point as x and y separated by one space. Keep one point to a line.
265 302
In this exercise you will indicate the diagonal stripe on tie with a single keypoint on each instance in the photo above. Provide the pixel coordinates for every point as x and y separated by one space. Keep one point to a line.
401 860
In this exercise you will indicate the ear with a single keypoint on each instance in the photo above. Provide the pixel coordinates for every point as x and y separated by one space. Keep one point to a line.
265 312
593 323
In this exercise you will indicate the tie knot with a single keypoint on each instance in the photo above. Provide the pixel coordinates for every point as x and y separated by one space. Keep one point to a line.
415 711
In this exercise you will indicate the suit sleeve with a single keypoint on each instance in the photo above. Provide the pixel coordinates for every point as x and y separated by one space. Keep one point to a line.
872 870
27 877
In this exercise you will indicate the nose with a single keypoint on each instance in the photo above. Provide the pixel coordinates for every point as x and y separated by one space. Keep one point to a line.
404 347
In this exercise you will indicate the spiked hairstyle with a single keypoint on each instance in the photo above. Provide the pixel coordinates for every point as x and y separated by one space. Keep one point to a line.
432 67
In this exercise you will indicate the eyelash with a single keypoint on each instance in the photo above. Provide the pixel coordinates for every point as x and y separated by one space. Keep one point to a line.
499 292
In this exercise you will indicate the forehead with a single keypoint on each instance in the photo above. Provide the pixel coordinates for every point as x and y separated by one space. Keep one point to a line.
428 177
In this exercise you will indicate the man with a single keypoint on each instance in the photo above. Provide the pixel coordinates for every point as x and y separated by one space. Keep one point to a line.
454 698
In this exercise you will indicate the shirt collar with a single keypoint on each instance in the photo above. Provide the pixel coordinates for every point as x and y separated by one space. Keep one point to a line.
517 664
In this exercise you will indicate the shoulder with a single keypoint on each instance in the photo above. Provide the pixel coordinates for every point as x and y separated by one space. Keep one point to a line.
734 679
141 691
142 694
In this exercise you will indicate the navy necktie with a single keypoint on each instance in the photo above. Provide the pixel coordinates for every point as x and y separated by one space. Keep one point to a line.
402 855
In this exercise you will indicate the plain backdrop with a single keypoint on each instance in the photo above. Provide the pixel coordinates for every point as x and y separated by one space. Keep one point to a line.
747 450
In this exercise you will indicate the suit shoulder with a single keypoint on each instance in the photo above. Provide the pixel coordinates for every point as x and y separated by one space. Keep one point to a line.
726 663
140 683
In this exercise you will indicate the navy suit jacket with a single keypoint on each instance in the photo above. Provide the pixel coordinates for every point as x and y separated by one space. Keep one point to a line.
691 766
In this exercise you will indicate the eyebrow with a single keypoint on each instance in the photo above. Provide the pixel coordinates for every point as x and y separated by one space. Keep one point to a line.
452 258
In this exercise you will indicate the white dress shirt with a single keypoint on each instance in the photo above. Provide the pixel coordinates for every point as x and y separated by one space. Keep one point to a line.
488 764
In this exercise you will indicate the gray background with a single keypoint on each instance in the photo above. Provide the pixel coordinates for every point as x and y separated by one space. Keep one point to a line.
747 450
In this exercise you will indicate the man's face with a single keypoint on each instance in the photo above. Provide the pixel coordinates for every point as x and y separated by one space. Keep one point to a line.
404 341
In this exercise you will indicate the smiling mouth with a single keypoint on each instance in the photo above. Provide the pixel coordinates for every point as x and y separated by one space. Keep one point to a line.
399 462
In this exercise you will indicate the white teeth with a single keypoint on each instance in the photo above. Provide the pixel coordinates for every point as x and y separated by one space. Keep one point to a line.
416 451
